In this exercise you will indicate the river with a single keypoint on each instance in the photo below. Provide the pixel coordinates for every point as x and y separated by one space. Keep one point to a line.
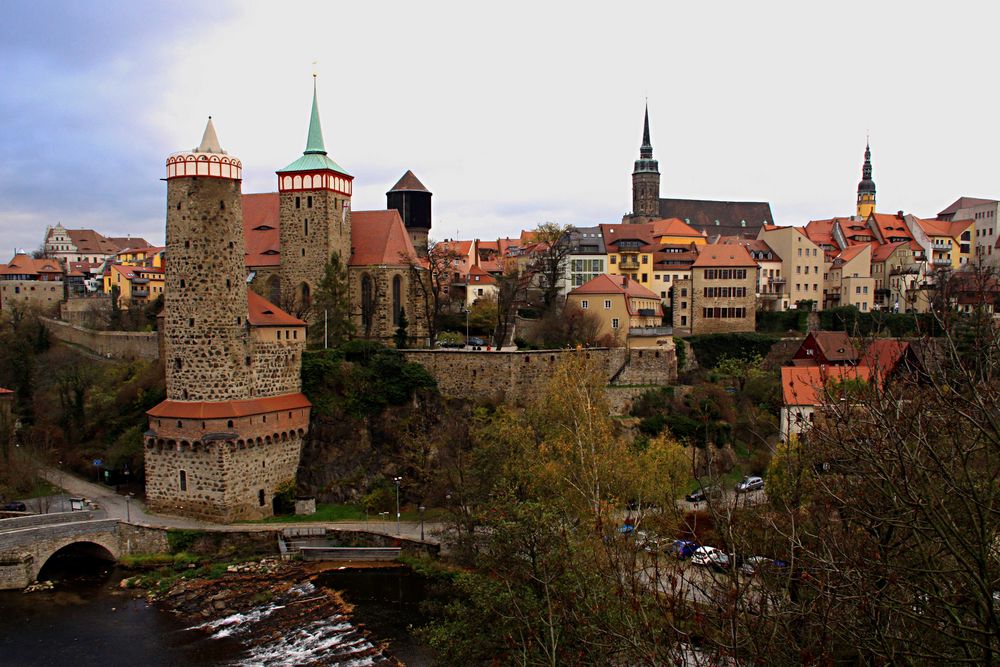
86 620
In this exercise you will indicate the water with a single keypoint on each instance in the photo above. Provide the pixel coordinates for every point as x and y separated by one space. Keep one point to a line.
86 620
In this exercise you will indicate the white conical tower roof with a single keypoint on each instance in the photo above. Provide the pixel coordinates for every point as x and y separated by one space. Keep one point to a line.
210 140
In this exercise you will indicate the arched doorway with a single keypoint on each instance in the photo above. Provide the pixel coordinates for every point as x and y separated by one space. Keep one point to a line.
304 297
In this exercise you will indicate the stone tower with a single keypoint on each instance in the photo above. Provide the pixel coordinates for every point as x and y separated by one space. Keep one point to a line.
866 188
413 201
230 431
646 179
315 210
206 343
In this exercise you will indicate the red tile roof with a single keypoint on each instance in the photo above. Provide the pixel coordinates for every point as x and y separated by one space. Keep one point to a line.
263 313
723 255
882 252
261 229
379 237
673 227
804 385
755 245
225 409
883 355
850 252
477 276
617 232
952 229
23 264
608 284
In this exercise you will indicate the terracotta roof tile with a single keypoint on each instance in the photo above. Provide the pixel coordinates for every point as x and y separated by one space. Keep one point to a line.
261 229
723 255
379 237
804 385
23 264
882 253
408 182
674 227
263 313
225 409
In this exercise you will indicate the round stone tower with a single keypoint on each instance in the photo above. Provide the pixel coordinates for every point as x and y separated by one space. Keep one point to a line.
315 210
206 334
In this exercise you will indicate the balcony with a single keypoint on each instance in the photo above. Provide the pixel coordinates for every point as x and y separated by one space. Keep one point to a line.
650 331
776 281
647 312
629 264
883 292
834 296
942 261
769 296
140 293
909 269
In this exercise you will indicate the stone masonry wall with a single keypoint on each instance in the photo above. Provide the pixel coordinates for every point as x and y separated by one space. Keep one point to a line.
709 325
305 253
206 339
523 376
113 344
383 323
277 363
43 294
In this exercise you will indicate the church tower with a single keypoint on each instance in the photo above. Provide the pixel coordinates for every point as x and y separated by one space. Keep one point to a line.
413 201
315 210
646 179
866 188
206 343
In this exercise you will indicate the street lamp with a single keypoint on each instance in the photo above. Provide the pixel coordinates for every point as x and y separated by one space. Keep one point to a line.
397 480
466 311
128 508
422 508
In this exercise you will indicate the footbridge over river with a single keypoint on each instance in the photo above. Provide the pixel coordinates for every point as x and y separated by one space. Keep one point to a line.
28 542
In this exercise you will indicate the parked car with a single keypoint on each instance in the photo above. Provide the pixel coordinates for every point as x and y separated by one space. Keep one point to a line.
446 344
682 549
755 565
14 506
752 483
475 342
703 493
711 557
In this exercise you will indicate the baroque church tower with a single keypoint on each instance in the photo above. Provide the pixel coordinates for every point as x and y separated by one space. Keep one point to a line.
230 431
315 210
866 188
646 180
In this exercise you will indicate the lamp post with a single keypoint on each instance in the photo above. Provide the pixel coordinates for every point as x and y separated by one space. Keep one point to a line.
128 508
397 480
422 508
466 309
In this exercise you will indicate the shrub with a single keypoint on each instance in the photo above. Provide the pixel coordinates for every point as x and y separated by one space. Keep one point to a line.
710 348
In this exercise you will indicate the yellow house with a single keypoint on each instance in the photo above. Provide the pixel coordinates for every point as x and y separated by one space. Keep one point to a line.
849 281
947 244
138 256
630 251
621 304
135 284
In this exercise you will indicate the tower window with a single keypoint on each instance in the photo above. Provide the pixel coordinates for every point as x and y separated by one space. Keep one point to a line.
222 206
190 321
178 206
177 363
306 227
303 252
182 282
184 480
187 244
298 202
229 424
229 285
309 202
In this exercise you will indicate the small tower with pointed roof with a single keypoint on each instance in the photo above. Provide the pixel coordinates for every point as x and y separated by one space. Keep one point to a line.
413 201
315 209
646 180
866 188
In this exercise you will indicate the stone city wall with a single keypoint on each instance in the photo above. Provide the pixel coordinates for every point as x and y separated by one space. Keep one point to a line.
277 363
126 345
522 376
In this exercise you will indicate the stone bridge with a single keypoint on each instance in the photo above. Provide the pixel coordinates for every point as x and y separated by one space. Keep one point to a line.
27 543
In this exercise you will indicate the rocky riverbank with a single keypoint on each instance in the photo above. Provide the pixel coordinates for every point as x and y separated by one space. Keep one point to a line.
278 612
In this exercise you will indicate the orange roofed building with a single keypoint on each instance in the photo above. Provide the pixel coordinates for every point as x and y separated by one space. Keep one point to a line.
720 295
623 306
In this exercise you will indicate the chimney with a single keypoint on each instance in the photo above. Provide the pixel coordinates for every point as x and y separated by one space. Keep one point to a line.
624 280
899 214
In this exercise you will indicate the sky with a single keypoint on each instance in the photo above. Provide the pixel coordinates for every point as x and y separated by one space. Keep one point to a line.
511 113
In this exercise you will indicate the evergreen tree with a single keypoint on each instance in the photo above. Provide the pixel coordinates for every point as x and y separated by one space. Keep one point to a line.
401 335
331 306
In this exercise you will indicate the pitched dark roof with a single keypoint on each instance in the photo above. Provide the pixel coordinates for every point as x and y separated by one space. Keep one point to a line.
965 202
408 182
702 215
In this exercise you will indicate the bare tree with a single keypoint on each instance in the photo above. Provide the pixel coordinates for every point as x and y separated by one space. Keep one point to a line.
512 287
552 249
431 275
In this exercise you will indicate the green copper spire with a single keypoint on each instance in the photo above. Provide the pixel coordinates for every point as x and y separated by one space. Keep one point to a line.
314 158
314 143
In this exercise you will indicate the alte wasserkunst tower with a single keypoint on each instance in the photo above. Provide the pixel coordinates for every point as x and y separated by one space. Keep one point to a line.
230 430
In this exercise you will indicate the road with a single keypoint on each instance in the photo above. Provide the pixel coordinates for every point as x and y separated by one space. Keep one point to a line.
134 511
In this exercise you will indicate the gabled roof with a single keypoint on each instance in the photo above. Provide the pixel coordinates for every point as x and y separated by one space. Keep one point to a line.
890 226
883 355
725 255
129 243
673 227
804 385
949 228
23 264
835 345
614 233
753 245
965 202
850 252
409 183
608 284
885 250
263 313
262 229
91 242
379 238
478 276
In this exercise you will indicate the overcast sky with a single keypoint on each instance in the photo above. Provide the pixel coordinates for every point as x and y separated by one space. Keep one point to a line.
511 113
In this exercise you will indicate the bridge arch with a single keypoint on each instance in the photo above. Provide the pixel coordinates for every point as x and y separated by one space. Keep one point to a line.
101 546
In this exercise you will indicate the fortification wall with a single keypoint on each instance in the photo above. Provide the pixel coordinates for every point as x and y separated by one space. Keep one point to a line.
523 376
112 344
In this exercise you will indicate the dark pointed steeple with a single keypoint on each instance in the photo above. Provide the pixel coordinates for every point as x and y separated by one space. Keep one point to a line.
646 177
866 188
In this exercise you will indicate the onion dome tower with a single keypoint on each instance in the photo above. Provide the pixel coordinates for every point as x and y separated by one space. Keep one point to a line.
413 201
866 188
315 205
646 178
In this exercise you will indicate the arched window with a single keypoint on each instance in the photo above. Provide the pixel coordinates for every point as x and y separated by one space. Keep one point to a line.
367 303
397 299
274 289
305 295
